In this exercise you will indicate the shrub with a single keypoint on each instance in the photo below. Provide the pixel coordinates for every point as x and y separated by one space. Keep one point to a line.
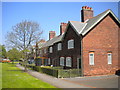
58 73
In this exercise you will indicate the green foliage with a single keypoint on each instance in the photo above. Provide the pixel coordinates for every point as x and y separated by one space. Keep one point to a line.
14 54
58 73
24 53
13 77
3 52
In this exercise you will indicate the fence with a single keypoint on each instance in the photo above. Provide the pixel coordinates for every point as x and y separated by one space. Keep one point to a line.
69 73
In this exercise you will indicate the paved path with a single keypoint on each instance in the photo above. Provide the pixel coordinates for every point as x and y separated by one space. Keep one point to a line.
59 83
110 81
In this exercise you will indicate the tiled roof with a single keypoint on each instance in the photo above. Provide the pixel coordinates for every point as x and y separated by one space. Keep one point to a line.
52 41
81 27
78 26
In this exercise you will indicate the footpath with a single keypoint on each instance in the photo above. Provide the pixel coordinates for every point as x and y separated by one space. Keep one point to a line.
64 83
57 82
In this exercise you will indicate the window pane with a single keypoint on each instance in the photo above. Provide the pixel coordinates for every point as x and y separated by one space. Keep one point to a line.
109 58
49 61
59 46
68 61
70 44
50 49
62 61
91 58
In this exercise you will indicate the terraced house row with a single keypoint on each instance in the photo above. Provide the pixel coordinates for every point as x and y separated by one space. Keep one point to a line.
91 45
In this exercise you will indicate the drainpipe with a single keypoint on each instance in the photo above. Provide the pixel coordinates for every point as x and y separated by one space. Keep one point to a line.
82 68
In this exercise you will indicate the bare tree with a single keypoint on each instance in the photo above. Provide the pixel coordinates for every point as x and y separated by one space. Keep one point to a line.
23 36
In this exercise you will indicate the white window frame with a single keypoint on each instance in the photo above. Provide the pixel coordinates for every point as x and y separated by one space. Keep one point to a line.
51 49
70 43
109 58
44 50
40 51
62 61
68 61
91 59
48 60
59 45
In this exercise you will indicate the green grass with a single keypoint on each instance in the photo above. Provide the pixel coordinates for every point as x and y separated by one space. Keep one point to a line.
13 77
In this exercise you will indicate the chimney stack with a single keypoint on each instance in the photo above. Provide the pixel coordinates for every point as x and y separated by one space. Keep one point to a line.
51 34
86 13
62 28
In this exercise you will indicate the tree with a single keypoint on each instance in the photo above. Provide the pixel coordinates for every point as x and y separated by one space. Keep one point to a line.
3 53
14 54
23 35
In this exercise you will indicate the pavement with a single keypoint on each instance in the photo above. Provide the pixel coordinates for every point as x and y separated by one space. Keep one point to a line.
106 81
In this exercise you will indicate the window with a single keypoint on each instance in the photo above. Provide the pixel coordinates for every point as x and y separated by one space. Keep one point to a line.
51 49
59 46
91 58
109 58
70 44
40 51
62 61
49 61
68 61
45 50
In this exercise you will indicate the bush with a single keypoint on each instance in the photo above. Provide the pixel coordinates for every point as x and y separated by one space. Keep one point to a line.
58 73
49 71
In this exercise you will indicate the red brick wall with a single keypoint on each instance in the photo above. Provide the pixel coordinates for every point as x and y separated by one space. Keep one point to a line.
103 38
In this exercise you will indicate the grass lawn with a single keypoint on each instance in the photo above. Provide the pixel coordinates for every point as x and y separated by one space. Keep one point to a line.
13 77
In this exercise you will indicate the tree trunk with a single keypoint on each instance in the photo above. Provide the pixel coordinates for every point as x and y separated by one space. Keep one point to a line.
12 61
25 65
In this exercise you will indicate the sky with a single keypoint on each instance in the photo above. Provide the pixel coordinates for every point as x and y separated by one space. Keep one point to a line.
48 14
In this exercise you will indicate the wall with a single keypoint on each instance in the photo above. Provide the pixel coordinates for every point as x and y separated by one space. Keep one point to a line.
103 38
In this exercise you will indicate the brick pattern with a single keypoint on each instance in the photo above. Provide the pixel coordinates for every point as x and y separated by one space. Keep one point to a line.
65 52
86 13
101 39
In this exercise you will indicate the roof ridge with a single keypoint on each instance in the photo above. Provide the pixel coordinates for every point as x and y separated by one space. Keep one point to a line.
93 21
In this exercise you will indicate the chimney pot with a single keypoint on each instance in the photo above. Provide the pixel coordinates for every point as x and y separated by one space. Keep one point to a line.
86 13
62 28
51 34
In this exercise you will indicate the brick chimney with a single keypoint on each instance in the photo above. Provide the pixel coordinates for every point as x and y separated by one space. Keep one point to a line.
51 34
86 13
62 28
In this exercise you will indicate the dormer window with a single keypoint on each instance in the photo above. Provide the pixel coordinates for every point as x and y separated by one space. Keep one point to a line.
70 44
51 49
59 46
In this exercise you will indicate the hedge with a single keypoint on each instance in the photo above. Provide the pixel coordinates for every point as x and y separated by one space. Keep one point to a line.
58 73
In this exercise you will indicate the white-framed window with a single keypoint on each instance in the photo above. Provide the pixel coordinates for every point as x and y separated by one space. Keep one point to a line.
70 44
109 55
61 61
91 58
49 61
40 51
51 49
59 45
44 50
68 61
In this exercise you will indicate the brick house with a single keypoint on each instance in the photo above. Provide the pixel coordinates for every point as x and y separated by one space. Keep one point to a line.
91 45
